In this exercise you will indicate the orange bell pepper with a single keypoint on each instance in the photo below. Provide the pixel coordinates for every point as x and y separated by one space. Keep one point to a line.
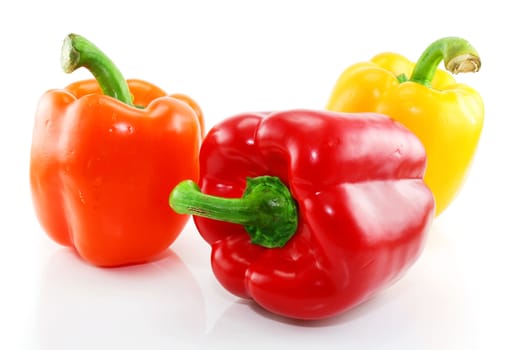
102 164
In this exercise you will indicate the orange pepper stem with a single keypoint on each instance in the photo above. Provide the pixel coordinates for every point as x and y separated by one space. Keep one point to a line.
266 209
78 52
458 56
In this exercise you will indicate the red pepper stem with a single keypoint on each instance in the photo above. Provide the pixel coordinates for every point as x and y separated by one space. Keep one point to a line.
266 209
78 52
458 56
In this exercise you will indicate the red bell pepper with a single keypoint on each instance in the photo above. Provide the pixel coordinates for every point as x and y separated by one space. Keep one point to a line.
102 164
309 213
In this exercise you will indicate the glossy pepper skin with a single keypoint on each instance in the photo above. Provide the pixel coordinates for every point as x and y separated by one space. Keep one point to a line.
363 209
447 116
101 170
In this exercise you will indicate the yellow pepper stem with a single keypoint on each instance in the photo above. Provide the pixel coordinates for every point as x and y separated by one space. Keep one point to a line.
458 56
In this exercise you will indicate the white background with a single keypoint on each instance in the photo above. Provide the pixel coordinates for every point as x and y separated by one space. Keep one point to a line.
233 57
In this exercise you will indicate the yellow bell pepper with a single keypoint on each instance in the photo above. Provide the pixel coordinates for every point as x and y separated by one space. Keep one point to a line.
445 115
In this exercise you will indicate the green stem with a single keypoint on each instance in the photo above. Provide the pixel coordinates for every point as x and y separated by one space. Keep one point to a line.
78 52
458 56
266 209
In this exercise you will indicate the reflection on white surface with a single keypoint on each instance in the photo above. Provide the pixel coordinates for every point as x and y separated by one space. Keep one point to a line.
85 307
162 305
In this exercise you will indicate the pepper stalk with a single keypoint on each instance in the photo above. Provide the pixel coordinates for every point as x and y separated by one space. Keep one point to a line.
78 52
458 54
266 209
